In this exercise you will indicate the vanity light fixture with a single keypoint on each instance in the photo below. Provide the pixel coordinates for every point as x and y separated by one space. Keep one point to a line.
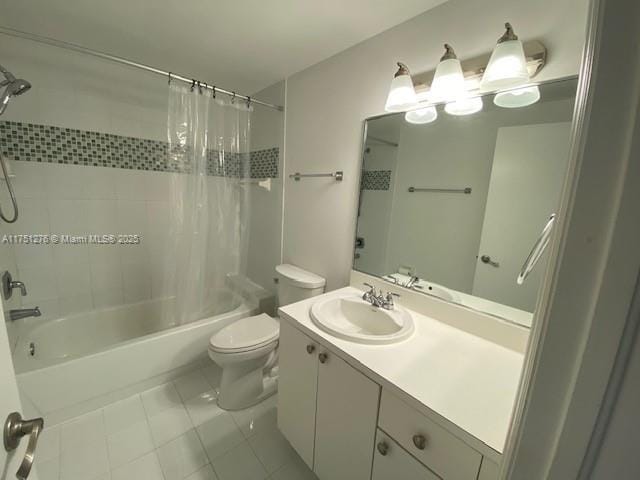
518 97
422 115
402 95
507 66
464 106
448 81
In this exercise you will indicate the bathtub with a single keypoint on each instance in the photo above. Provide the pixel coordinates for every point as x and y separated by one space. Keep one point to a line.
84 361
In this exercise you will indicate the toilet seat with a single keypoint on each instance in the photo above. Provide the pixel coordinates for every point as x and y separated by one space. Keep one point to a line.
246 334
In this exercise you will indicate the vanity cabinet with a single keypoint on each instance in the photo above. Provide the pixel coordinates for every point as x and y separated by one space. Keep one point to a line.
345 427
489 470
326 409
391 461
297 388
434 446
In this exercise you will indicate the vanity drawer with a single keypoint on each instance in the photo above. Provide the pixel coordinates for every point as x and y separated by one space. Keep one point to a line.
391 461
430 443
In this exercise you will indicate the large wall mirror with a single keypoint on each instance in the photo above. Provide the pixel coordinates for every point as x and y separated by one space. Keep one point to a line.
454 207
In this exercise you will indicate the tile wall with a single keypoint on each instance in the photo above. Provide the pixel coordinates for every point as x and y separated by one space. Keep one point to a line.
76 200
49 144
75 182
112 116
375 180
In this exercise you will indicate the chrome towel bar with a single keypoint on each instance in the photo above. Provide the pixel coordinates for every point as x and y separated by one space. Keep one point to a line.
466 190
337 175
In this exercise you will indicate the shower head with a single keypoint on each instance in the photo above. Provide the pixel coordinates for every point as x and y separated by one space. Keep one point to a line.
13 87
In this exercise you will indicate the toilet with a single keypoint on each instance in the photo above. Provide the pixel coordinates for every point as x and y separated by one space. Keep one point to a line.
247 351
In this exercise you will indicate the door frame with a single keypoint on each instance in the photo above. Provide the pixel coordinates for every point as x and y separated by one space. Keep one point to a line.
584 307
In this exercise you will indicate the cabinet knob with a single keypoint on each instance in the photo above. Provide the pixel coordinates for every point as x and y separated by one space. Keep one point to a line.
383 448
311 349
420 442
323 357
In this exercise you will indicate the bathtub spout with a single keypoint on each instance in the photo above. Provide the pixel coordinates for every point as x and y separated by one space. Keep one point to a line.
24 313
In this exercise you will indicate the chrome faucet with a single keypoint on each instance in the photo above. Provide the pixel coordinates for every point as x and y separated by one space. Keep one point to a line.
24 313
380 300
412 281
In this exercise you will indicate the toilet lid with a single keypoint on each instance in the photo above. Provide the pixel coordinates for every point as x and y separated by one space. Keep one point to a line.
246 333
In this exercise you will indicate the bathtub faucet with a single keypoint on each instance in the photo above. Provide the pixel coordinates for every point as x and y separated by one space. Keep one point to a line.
24 313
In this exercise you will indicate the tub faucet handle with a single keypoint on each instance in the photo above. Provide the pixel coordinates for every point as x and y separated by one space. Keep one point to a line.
8 284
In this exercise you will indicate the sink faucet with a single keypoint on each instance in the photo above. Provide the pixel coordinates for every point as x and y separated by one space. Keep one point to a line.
412 281
24 313
380 300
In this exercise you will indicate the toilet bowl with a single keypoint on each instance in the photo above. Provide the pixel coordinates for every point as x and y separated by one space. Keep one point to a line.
246 350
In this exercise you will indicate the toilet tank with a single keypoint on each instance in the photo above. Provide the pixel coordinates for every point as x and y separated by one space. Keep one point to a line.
296 284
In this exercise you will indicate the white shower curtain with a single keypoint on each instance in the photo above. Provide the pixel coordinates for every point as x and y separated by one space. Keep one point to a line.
208 234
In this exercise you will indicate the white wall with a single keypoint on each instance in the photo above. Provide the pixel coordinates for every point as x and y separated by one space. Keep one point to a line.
327 103
72 90
265 238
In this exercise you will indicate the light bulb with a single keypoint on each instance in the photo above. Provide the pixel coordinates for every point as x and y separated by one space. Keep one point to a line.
448 82
507 66
519 97
402 95
422 115
464 106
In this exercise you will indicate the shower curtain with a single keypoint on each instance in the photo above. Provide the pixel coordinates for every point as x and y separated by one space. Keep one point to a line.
209 206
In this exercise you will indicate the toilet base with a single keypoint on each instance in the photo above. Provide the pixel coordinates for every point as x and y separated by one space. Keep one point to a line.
242 396
247 376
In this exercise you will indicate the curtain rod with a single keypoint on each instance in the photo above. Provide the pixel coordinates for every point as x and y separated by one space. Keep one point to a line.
77 48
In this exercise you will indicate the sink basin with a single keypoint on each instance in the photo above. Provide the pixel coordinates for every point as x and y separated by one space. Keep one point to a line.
351 318
436 290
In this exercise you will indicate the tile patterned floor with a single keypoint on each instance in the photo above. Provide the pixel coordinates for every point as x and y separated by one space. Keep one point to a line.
172 432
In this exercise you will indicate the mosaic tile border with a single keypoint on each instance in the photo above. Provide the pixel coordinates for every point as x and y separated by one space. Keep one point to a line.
49 144
376 180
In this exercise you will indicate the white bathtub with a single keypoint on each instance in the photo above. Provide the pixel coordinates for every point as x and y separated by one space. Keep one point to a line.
86 360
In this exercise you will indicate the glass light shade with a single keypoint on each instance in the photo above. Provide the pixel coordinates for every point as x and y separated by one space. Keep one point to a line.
464 106
519 97
448 81
422 115
402 95
507 67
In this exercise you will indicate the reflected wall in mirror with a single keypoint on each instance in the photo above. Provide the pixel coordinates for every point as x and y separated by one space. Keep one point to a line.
454 207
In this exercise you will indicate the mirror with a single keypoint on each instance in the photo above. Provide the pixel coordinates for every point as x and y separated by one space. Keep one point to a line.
454 208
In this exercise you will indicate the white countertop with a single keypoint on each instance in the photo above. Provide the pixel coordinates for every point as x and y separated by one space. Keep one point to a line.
466 380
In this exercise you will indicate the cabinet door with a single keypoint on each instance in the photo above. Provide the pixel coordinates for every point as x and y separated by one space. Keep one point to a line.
391 461
489 470
297 387
346 417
